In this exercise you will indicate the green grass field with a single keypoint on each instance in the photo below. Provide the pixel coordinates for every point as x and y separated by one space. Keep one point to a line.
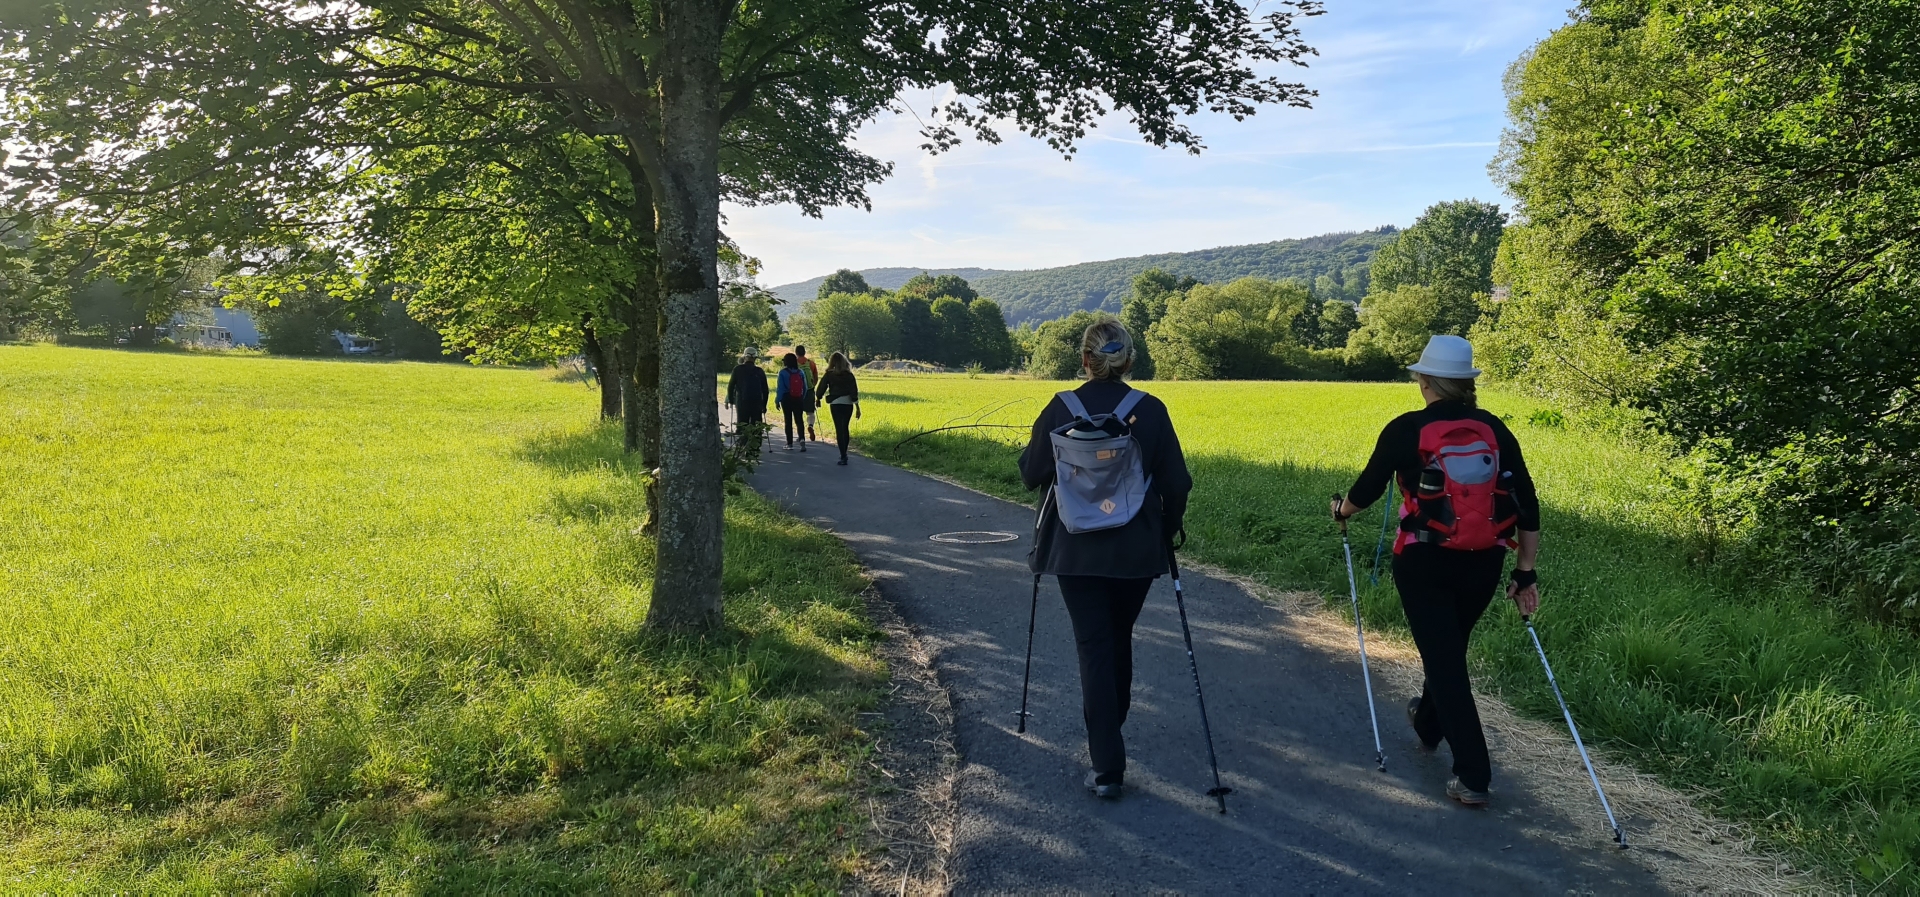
301 626
1792 717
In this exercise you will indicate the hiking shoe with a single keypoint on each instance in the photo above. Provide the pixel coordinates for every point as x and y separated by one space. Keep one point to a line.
1104 792
803 446
843 460
1413 714
1465 795
811 435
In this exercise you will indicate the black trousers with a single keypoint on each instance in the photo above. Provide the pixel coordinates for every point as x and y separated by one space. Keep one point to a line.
1444 592
1103 611
796 421
842 425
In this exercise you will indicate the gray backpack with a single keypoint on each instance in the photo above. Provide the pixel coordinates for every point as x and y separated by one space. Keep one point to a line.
1098 481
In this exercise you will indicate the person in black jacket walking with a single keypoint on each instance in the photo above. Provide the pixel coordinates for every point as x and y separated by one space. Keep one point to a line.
747 395
842 395
1104 575
1463 504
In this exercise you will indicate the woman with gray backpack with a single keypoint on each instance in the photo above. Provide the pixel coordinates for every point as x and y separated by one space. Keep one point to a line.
1106 535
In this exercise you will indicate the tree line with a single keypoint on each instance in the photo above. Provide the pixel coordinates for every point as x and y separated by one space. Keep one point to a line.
550 174
938 319
1365 324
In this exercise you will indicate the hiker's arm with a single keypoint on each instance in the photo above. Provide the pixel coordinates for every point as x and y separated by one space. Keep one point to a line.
1036 463
1374 479
1173 481
1520 485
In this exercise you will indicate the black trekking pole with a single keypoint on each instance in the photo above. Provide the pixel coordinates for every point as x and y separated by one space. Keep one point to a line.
1366 672
1032 611
1219 792
1619 837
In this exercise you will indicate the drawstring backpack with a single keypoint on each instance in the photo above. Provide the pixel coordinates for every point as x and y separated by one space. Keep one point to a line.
1098 481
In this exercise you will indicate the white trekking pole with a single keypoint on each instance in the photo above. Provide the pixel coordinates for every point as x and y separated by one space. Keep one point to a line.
1366 674
1619 837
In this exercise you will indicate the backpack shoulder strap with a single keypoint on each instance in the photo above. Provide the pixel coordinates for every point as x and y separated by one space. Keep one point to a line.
1125 407
1074 407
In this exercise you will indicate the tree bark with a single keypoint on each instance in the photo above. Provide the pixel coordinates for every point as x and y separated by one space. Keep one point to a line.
603 373
686 586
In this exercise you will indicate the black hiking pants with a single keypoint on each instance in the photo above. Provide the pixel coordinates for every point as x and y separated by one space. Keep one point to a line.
1444 592
1103 611
842 425
796 422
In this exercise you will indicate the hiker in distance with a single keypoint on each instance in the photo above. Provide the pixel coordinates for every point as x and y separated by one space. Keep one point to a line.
812 372
794 399
1106 555
747 394
842 396
1465 499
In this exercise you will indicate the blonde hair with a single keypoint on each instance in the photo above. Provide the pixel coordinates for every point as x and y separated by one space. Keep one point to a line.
838 363
1450 389
1107 365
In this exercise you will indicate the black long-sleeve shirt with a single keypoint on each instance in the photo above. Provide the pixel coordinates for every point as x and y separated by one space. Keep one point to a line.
839 384
1138 549
747 388
1397 455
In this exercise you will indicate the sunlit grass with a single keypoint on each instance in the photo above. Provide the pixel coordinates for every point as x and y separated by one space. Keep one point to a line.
309 626
1795 719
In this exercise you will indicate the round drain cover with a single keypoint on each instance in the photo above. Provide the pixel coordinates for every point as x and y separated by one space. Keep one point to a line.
973 538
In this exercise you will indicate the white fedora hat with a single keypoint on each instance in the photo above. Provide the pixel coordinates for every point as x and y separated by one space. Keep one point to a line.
1446 357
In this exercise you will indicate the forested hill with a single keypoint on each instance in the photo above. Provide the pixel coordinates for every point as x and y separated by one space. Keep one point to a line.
1048 293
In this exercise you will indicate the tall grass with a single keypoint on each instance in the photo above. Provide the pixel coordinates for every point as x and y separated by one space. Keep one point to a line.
1791 716
310 626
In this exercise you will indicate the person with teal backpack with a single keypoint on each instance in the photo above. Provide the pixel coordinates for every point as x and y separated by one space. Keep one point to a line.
794 399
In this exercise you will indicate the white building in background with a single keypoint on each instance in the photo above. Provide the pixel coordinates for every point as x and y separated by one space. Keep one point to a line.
216 327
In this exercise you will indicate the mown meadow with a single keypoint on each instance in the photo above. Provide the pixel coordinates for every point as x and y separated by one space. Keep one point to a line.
1786 713
302 626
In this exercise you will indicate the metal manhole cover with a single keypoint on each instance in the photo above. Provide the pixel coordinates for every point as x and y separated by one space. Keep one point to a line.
973 538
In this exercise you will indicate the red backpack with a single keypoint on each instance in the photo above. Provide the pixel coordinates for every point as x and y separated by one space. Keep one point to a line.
796 384
1460 501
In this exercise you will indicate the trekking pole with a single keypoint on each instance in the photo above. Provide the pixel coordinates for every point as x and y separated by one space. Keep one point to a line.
1386 516
1619 837
1219 792
1032 611
1366 673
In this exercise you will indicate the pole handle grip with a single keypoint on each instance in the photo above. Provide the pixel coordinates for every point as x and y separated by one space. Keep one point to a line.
1336 514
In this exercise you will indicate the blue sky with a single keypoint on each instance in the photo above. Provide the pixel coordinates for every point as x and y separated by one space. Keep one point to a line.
1409 113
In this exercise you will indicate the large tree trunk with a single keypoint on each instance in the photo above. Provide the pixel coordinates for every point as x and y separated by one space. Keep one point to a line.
603 372
686 585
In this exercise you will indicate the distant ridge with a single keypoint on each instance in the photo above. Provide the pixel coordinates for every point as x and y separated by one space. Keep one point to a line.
1044 294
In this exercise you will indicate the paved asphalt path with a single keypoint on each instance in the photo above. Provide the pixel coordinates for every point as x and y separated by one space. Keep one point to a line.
1309 814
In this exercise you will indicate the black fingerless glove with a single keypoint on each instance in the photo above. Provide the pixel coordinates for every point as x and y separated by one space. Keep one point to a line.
1524 578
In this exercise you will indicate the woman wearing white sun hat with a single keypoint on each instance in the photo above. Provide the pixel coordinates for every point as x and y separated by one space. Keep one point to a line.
1465 499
